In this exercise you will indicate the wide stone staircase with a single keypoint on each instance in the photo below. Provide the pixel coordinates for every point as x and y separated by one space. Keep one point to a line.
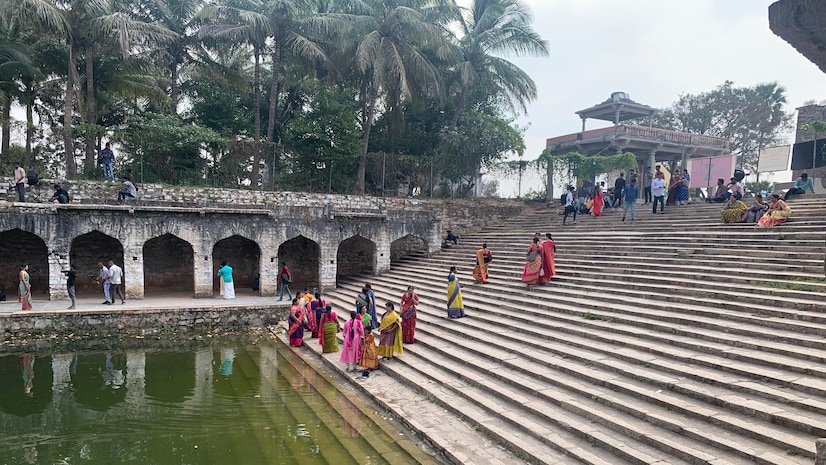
671 339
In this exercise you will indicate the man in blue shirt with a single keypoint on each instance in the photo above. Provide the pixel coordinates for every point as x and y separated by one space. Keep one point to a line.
630 194
225 274
800 185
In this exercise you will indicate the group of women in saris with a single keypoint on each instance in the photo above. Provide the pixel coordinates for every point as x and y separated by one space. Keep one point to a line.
765 215
539 261
777 213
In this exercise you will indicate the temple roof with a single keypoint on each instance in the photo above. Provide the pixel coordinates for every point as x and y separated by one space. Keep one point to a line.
619 107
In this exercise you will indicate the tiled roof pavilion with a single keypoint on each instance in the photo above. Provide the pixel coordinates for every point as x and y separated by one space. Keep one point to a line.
651 145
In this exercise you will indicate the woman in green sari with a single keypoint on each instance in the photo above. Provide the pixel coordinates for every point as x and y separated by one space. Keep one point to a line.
24 289
329 327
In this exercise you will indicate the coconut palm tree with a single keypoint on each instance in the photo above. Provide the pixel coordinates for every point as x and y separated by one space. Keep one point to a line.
489 28
397 41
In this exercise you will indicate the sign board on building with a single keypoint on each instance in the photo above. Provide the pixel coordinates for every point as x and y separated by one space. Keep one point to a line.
706 171
774 159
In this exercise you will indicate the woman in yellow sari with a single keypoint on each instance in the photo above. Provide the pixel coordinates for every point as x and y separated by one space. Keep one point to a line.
778 213
733 211
480 271
328 328
455 305
390 333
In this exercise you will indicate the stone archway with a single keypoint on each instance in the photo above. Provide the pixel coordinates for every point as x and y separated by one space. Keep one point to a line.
355 256
303 257
85 253
18 247
407 246
244 256
168 265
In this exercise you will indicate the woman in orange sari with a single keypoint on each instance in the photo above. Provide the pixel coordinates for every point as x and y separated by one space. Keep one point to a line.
673 188
599 201
533 263
548 265
408 310
480 271
777 213
296 322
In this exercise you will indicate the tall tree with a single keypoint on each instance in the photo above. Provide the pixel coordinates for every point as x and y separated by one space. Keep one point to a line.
396 40
489 28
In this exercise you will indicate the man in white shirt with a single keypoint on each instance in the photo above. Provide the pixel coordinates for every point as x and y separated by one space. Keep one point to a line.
569 205
103 277
20 182
735 189
658 191
116 281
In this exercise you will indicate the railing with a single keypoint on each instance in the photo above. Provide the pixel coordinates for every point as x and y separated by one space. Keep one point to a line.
642 132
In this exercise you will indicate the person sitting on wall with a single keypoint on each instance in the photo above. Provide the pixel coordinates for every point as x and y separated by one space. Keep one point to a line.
735 189
720 194
800 185
61 195
128 189
450 238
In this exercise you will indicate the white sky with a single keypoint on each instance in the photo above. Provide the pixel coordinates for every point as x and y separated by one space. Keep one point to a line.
653 50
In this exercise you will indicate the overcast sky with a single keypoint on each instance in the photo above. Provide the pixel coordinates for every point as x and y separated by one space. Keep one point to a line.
654 50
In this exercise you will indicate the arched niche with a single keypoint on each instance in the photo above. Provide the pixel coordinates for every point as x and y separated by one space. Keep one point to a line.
235 372
303 257
168 265
170 376
24 394
18 247
243 256
407 246
98 379
85 253
355 256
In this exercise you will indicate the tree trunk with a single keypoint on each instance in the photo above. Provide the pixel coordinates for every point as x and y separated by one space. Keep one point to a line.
68 103
276 77
91 109
256 88
368 125
29 123
454 120
4 146
175 88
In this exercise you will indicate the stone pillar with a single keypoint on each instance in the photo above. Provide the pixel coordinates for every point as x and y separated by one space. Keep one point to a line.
58 261
133 279
652 160
549 189
327 265
136 381
269 281
381 262
820 455
202 272
203 373
60 371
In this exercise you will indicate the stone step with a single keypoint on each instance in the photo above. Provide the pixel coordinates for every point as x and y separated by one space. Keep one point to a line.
584 353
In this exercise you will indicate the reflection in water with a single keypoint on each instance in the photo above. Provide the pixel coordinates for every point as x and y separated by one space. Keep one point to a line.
28 373
227 403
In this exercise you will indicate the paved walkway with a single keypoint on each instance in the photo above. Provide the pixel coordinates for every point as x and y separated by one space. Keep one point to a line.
162 301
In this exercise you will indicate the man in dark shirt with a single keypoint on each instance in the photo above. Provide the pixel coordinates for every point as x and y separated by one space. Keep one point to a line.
619 185
61 195
71 275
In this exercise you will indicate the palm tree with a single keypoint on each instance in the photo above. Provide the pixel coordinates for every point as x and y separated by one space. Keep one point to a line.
397 41
487 28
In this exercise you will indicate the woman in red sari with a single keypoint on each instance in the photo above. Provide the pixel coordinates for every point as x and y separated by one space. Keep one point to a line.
408 310
296 322
673 188
533 263
548 266
599 201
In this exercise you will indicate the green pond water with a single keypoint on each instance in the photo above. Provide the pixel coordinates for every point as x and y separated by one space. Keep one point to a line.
232 402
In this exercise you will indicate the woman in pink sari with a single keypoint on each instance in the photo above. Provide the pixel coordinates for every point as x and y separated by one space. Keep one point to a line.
533 264
296 322
599 201
548 266
353 339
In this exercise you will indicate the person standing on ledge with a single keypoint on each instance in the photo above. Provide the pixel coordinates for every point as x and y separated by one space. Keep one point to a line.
116 280
286 278
20 182
71 276
658 191
802 183
647 177
225 273
107 158
104 277
24 289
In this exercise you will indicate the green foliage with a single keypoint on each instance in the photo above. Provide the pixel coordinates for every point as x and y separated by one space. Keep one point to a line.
759 187
573 166
171 150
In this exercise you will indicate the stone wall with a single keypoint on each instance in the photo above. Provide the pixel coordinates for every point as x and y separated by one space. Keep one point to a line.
106 323
806 115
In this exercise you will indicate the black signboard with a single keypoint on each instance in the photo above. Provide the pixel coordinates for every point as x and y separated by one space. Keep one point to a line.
802 155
